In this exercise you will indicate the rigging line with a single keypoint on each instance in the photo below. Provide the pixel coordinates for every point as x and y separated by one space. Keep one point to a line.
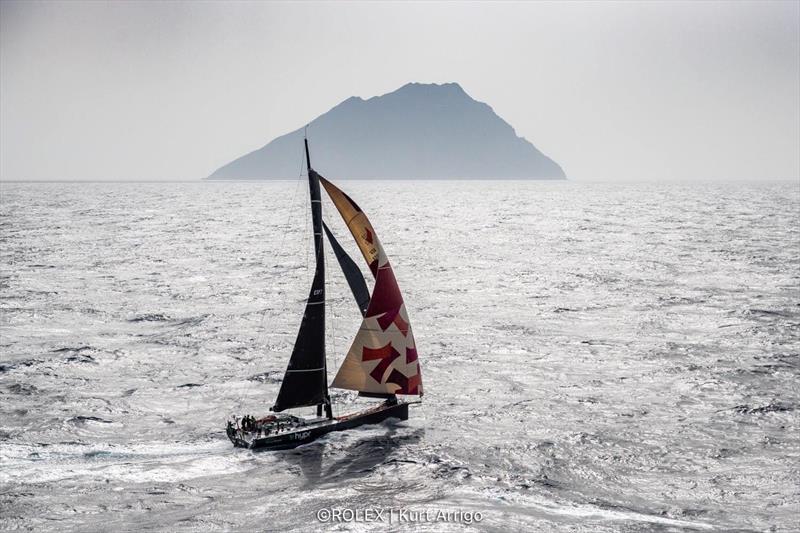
285 231
333 330
260 335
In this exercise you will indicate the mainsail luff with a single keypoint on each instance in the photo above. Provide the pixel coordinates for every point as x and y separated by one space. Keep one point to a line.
383 356
305 382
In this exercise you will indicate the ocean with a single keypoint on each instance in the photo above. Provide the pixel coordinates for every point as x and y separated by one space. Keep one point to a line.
595 357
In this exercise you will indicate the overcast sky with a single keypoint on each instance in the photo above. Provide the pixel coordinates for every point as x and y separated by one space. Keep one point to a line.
611 91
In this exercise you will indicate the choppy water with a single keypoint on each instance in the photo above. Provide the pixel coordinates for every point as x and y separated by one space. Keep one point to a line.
595 357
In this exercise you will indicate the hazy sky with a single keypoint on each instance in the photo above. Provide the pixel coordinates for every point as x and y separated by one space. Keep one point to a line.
159 90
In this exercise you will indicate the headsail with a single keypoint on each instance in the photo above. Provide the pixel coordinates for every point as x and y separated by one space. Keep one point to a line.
351 272
306 380
383 356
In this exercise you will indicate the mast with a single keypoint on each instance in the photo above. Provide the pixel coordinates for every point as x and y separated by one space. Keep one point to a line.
308 159
306 380
319 252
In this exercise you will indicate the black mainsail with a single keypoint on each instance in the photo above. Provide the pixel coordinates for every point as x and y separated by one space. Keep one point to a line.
306 380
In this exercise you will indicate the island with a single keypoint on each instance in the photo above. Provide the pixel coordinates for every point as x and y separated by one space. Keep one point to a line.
433 131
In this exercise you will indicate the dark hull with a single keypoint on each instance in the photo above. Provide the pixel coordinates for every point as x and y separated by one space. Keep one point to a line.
309 433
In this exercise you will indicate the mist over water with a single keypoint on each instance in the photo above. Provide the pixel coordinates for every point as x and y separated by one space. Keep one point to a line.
595 357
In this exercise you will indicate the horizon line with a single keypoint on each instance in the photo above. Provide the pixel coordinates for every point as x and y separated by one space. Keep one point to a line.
549 180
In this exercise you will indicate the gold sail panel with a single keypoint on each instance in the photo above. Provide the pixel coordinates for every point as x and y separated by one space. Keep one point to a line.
383 356
358 224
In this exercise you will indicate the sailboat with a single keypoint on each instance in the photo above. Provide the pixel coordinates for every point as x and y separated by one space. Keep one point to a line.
382 360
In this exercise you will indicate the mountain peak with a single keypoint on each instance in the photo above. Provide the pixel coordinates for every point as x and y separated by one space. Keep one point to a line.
421 130
451 86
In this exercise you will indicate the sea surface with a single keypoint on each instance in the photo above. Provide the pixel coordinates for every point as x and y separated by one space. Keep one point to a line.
595 357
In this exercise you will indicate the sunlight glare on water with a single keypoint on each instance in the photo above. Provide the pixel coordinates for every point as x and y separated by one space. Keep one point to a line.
595 357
